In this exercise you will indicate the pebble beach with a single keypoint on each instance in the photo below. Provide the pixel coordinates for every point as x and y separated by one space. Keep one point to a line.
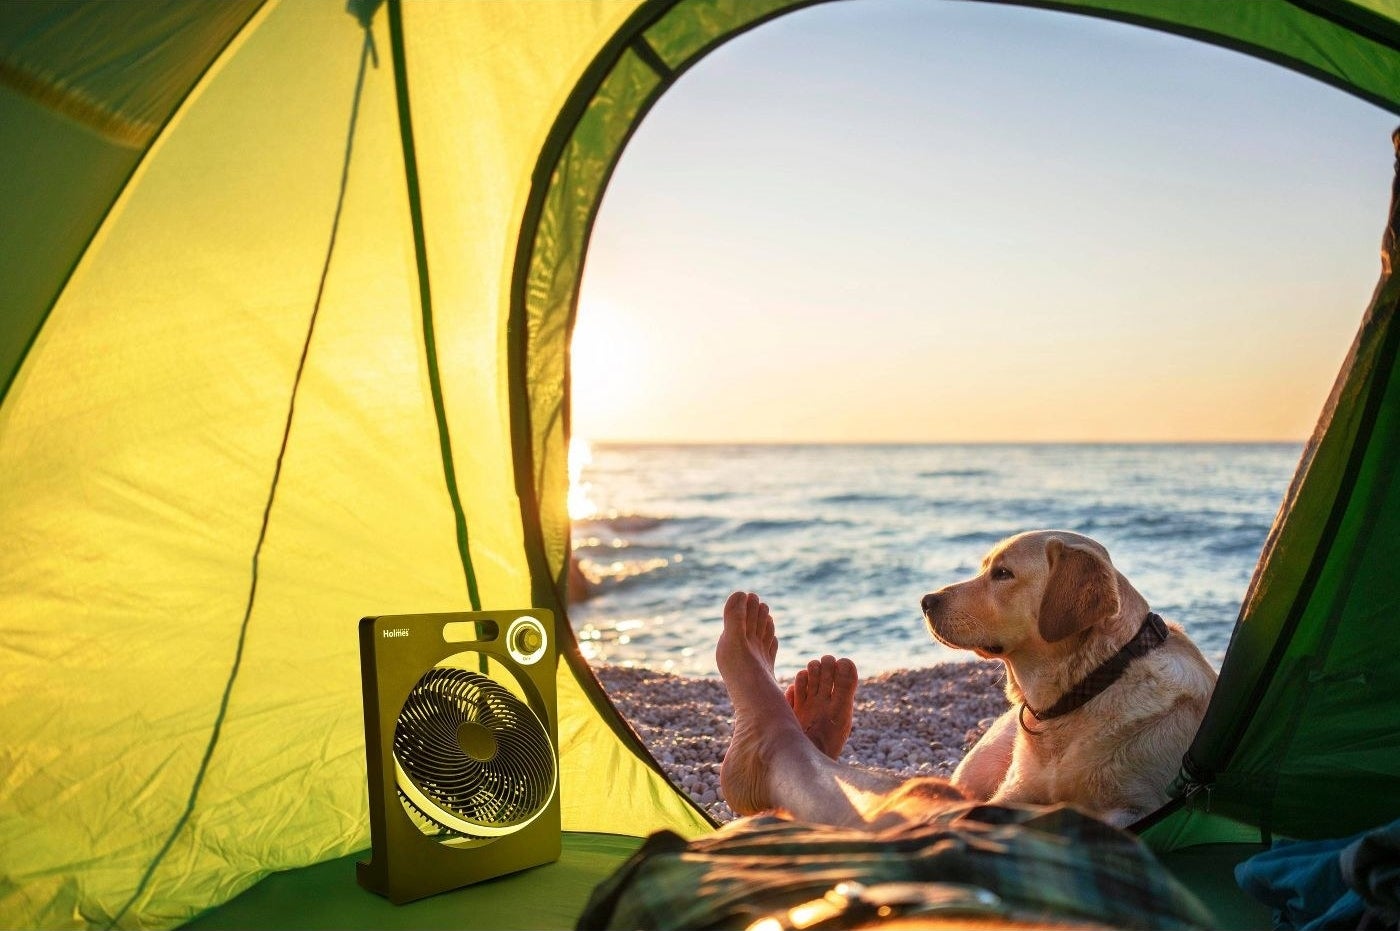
909 721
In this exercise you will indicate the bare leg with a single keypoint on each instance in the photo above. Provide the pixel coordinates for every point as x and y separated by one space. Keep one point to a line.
772 764
823 697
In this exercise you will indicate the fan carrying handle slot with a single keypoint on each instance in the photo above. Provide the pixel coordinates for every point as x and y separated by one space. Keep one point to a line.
471 631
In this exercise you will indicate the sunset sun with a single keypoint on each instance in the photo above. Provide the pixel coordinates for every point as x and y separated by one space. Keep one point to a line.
608 365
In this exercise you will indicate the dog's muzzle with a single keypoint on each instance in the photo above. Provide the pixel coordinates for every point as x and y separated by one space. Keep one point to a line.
931 603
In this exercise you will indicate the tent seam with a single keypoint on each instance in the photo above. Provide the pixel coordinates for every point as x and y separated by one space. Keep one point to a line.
420 250
226 699
648 54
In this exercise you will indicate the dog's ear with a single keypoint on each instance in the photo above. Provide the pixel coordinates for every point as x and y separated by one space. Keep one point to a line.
1080 591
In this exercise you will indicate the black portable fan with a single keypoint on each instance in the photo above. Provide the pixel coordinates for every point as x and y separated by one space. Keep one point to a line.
460 738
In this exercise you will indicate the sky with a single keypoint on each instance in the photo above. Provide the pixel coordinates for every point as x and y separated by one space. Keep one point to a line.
929 221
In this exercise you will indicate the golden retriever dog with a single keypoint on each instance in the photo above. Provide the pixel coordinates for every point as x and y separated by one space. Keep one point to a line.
1106 696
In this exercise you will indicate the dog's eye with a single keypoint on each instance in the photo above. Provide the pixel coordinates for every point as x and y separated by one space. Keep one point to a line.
1001 574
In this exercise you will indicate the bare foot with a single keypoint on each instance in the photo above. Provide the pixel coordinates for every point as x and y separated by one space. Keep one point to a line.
745 655
823 697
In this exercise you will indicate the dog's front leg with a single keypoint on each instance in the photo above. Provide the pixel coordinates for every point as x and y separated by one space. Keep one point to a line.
1123 817
983 770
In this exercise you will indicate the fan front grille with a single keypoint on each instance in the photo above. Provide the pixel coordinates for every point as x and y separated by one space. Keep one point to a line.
508 788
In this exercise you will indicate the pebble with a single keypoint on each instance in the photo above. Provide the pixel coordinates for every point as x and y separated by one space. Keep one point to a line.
908 721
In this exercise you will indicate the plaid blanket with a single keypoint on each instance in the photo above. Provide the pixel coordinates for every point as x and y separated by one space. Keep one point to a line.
1042 863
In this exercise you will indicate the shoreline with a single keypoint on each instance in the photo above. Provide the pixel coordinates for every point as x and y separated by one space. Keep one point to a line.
916 722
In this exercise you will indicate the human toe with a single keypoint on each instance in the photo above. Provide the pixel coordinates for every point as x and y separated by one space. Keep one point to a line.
801 686
754 609
845 676
735 607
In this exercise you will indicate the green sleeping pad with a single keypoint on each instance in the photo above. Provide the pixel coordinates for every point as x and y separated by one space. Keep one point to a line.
326 895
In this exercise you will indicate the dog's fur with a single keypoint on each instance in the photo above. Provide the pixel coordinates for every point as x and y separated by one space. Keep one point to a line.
1050 605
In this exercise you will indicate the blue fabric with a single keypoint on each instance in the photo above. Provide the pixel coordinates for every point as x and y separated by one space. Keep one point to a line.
1306 886
1372 867
1302 882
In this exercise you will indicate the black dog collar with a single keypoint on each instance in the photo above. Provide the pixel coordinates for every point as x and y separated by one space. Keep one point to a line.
1152 634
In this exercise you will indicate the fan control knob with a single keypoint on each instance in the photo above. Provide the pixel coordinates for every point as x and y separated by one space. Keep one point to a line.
525 640
528 640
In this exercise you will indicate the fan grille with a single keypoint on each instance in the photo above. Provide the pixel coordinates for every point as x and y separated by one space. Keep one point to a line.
510 787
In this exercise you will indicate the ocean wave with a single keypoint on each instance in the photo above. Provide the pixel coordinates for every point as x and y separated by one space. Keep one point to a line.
1006 509
630 523
1210 528
865 498
1151 527
956 473
781 524
618 524
979 537
1240 541
822 570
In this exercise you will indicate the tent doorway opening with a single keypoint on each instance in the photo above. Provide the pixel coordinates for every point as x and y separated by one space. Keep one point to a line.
849 318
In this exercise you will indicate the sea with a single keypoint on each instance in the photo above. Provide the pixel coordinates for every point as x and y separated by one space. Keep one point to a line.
843 540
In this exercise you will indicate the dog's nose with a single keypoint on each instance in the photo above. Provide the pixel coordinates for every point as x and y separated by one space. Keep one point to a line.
930 602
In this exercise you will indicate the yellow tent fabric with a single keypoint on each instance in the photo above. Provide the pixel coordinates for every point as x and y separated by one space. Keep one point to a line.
221 451
286 289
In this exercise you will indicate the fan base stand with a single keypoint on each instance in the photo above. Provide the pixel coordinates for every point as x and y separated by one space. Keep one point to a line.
408 877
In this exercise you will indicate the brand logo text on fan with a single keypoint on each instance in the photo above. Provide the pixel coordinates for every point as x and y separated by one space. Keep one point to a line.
396 632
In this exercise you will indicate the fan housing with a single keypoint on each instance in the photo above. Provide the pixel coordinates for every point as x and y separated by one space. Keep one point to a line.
461 739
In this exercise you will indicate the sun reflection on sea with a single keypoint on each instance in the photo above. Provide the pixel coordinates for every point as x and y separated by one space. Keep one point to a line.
613 643
601 564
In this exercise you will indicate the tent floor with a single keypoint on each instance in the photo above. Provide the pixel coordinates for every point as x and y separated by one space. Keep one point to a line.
326 895
1208 870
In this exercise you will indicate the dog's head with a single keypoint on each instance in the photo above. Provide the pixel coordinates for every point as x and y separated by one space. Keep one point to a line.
1034 589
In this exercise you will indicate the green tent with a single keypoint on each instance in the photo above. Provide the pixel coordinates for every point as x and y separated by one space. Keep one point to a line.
287 294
